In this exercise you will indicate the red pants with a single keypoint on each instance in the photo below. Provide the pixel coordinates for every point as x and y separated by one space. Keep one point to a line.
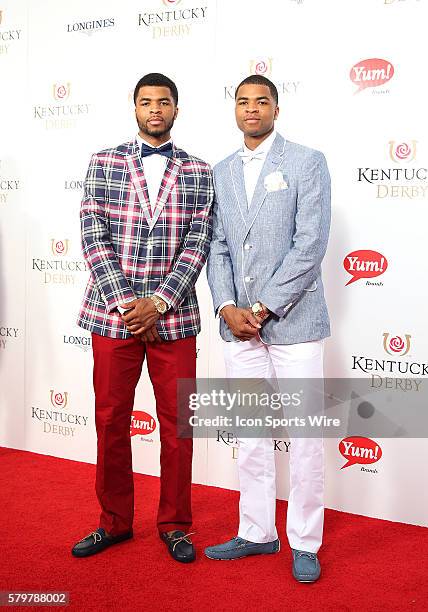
117 369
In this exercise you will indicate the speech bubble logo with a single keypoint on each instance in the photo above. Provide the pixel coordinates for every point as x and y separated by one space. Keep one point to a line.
371 73
364 264
142 423
357 449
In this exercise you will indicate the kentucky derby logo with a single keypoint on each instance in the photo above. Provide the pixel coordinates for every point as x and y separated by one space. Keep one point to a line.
403 151
396 345
61 91
262 66
61 269
58 113
403 179
7 37
59 247
174 21
59 400
56 423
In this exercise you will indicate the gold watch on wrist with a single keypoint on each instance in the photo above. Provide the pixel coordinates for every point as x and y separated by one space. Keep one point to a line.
259 311
159 303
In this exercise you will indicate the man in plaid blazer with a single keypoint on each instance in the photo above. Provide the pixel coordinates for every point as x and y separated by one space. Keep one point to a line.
146 228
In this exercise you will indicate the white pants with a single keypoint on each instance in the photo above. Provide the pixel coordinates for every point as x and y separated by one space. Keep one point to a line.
256 461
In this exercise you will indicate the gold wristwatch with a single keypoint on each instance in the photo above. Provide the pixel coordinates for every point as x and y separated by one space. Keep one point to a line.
159 303
259 310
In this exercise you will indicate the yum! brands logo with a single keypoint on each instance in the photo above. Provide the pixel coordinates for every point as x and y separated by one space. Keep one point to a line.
396 345
359 450
372 72
142 423
403 179
365 264
59 400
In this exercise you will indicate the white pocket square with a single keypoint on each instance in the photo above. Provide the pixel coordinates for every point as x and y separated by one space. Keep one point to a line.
275 182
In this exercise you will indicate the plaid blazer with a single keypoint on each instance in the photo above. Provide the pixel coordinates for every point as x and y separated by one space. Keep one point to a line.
134 249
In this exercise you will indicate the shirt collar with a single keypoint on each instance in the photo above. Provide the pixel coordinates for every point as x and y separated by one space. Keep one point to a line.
263 147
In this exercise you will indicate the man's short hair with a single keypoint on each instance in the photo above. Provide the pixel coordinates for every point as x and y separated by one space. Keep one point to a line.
258 79
156 79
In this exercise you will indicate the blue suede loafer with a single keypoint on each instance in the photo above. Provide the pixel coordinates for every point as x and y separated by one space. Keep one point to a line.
236 548
306 567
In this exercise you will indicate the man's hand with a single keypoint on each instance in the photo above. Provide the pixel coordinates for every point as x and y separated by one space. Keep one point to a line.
151 335
141 316
241 322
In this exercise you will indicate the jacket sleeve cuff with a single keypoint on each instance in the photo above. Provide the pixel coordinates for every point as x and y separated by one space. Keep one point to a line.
116 300
227 303
279 311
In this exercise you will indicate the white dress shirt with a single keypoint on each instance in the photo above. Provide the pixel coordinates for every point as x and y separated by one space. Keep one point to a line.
252 161
154 169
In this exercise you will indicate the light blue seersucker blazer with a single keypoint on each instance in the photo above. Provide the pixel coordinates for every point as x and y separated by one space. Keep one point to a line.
272 250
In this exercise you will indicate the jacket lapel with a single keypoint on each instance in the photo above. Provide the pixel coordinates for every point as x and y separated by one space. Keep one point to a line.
135 167
169 179
238 185
273 159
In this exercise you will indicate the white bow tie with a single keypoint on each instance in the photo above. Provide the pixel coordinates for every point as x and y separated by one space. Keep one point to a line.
247 157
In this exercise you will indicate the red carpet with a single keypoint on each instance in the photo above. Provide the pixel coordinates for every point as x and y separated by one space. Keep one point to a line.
48 504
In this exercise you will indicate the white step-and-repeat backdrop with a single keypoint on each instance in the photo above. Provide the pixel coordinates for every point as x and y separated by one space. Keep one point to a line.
352 82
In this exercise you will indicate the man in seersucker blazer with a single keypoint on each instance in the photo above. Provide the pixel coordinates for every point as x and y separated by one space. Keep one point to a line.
146 227
271 223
